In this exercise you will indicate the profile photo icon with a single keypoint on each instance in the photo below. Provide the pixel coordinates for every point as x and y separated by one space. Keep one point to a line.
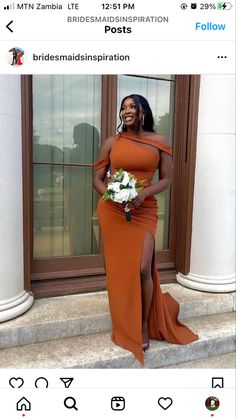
212 403
15 57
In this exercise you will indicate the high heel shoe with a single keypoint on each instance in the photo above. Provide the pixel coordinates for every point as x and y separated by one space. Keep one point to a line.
145 347
145 340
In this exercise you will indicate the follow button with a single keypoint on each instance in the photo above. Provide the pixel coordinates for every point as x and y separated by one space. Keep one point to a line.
209 26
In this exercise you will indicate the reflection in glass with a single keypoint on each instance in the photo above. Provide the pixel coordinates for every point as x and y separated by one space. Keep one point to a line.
160 95
67 113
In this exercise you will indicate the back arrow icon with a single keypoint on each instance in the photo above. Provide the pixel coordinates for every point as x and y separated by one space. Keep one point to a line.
8 26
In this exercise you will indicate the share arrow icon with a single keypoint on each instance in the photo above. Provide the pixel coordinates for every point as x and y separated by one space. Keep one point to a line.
67 381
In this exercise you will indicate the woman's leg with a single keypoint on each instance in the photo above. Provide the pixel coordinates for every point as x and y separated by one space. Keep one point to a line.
146 284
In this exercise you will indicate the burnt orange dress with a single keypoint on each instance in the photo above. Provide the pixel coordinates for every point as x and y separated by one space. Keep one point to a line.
123 243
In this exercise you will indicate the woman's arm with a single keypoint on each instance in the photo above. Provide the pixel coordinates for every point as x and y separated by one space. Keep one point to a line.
100 174
165 175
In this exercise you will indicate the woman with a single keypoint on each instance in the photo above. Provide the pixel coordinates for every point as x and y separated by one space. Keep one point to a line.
19 62
139 311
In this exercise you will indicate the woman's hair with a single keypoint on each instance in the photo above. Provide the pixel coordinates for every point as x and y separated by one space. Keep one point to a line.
148 117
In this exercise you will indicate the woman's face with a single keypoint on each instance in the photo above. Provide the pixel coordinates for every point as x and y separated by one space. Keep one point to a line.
129 113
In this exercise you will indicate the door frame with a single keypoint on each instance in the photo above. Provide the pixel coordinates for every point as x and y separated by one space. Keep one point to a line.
41 276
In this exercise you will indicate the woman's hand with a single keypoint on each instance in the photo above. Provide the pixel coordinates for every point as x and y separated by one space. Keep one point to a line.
121 206
136 202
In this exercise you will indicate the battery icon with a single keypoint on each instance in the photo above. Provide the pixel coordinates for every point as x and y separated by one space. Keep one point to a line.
224 6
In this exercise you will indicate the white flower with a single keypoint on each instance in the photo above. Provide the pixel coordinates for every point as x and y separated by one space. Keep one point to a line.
132 183
121 188
122 196
125 180
114 186
133 193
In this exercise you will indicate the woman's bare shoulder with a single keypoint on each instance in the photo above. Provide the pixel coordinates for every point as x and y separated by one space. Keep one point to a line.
106 147
108 143
110 140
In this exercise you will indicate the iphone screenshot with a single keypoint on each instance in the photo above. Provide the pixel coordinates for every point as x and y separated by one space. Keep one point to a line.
117 214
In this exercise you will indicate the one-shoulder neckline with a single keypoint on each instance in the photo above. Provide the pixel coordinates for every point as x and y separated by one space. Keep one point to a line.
145 140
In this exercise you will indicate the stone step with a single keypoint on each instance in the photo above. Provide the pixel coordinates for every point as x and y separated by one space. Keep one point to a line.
216 333
219 361
75 315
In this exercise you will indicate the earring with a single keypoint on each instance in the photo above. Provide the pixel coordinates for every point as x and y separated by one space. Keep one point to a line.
143 120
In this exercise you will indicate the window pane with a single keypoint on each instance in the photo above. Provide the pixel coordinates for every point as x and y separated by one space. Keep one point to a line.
67 114
160 95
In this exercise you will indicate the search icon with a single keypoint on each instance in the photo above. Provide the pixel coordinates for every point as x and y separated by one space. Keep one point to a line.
70 403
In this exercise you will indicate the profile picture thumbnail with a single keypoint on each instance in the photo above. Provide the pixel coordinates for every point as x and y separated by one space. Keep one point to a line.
15 57
212 403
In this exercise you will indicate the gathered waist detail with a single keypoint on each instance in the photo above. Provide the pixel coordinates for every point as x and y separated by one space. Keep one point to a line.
140 176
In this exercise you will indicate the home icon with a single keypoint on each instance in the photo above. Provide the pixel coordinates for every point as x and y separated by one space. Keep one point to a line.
23 404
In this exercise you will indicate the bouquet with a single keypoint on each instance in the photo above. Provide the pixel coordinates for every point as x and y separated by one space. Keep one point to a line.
123 187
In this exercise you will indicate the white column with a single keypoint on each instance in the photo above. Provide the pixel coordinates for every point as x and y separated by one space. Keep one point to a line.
14 300
212 262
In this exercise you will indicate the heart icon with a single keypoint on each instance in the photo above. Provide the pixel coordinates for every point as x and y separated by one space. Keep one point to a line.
165 402
16 382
